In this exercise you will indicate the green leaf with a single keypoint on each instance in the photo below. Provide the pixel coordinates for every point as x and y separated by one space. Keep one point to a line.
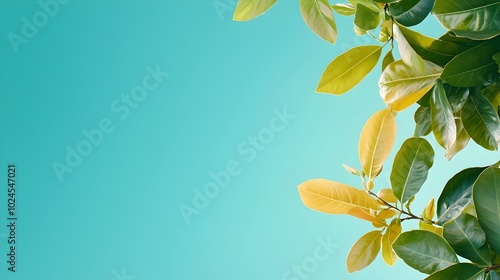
469 69
457 97
476 19
319 17
462 41
366 18
486 195
411 12
423 121
443 121
364 251
367 3
385 1
388 59
434 50
467 238
401 86
492 275
460 142
348 69
481 121
424 251
496 58
410 168
465 271
344 9
426 99
408 55
250 9
456 194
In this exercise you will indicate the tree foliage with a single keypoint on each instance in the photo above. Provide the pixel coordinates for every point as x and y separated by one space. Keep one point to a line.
454 80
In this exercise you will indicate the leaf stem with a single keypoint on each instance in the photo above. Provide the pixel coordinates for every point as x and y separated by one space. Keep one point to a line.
410 215
490 268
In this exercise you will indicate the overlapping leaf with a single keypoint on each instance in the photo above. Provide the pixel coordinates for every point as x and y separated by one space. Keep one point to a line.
337 198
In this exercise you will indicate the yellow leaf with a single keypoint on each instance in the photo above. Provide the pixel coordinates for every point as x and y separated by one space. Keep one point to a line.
392 232
376 141
431 228
429 210
387 195
249 9
470 209
337 198
387 213
364 251
401 86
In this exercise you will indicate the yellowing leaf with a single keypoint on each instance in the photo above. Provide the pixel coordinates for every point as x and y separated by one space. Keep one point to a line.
392 232
352 170
376 142
318 16
429 210
429 227
387 195
364 251
401 86
387 213
249 9
408 54
337 198
348 69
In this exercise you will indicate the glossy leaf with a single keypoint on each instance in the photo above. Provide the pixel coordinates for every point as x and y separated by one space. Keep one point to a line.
410 168
387 195
467 238
249 9
460 142
465 271
388 59
408 55
365 18
392 232
456 194
457 97
337 198
364 251
476 19
492 275
435 50
344 9
481 121
443 121
348 69
424 251
376 142
401 86
411 12
469 69
496 58
319 17
486 194
423 121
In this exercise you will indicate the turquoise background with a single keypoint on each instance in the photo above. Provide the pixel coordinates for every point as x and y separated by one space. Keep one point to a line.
117 214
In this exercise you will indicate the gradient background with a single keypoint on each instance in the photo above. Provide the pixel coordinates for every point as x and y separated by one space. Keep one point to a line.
119 208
